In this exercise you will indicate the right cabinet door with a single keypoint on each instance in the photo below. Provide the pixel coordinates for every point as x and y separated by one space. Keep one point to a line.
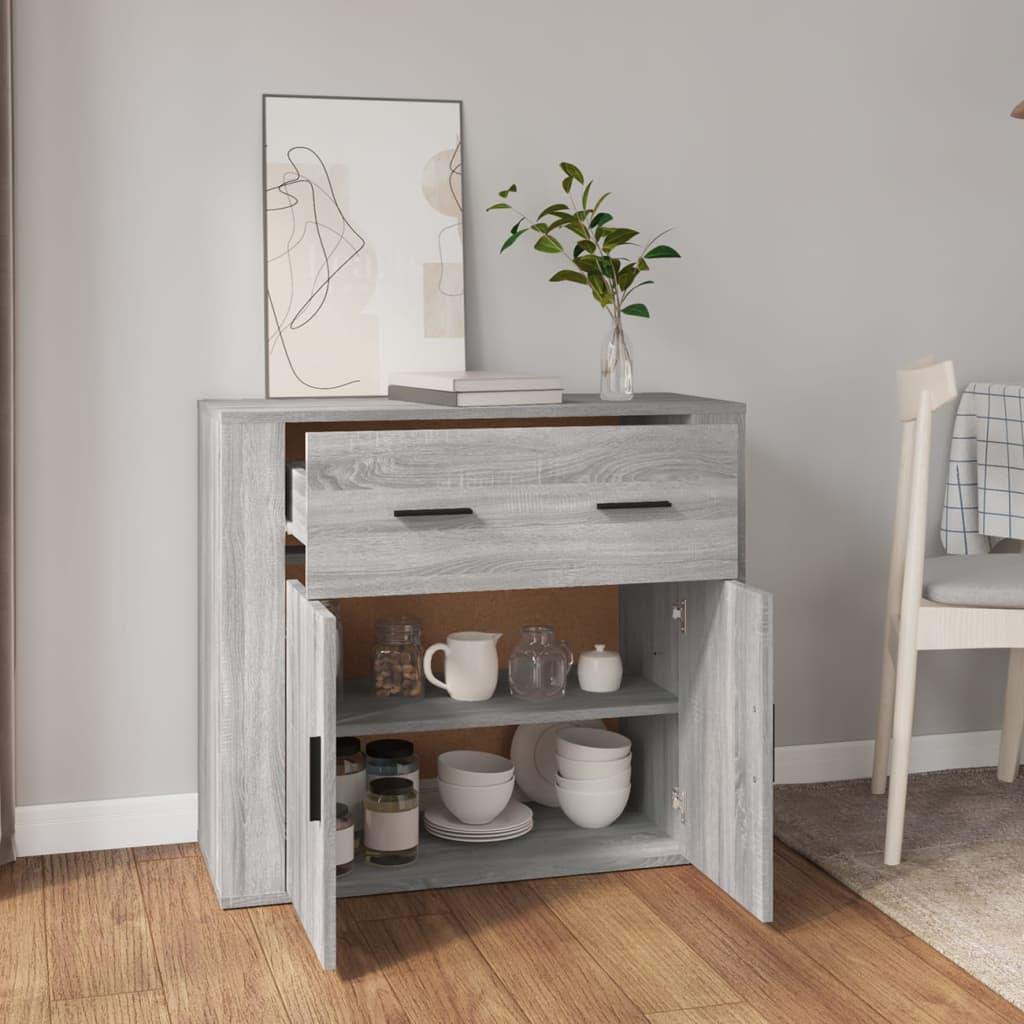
726 738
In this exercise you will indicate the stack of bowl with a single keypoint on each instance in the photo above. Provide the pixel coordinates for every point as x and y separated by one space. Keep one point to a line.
476 787
593 775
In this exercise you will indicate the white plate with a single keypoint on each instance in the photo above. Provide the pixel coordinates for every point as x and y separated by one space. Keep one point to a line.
482 834
483 839
534 756
515 816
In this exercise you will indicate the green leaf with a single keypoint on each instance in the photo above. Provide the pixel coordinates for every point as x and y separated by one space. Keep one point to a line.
498 206
599 219
642 264
586 195
517 227
547 244
504 193
661 252
617 236
569 275
541 227
597 205
606 266
636 309
581 247
566 184
600 289
576 228
627 275
512 239
553 208
572 171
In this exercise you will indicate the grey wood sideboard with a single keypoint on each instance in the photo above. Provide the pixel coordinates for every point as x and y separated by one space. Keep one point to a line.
645 496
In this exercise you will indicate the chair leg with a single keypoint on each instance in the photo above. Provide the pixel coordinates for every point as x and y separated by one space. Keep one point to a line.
902 733
1013 719
883 728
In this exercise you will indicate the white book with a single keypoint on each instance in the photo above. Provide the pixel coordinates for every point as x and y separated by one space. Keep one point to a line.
461 381
475 399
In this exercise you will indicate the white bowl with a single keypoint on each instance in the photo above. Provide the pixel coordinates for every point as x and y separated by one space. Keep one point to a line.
583 744
616 781
569 768
473 768
476 805
592 810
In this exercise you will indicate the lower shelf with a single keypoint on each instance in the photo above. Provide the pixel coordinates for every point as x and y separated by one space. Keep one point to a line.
555 847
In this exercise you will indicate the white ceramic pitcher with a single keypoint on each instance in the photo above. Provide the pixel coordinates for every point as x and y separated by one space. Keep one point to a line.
470 665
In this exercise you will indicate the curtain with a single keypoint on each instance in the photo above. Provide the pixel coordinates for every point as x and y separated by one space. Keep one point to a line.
6 446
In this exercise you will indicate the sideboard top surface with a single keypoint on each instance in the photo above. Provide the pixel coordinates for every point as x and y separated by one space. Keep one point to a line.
322 410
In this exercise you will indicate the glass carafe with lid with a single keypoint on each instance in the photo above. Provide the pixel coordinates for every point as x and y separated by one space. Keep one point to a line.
539 665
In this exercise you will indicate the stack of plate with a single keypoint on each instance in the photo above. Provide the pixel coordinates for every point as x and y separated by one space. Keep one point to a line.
516 820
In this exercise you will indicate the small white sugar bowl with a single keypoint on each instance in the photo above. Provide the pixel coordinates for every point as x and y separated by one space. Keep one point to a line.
600 671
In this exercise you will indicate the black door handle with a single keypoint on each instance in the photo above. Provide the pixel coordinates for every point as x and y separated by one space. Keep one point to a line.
605 506
314 778
403 513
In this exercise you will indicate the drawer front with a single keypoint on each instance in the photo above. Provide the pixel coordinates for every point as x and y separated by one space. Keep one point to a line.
437 511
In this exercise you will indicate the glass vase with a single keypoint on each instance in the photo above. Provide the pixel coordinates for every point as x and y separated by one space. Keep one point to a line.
616 366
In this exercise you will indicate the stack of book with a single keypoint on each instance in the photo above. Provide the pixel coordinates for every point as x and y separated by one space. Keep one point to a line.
474 388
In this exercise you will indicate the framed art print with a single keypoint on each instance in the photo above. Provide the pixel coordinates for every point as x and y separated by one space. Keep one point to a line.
362 242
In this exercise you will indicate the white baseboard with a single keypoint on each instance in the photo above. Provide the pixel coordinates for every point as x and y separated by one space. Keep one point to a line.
106 824
830 762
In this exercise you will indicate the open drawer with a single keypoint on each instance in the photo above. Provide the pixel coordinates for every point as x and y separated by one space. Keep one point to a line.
414 511
697 703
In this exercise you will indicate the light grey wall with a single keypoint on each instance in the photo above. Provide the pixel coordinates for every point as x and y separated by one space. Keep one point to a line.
849 195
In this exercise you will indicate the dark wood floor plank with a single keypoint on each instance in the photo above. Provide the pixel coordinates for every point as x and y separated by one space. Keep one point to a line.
132 1008
646 958
550 975
212 966
96 933
776 978
24 984
951 974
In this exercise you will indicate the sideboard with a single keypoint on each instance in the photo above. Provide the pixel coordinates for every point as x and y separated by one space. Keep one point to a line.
628 514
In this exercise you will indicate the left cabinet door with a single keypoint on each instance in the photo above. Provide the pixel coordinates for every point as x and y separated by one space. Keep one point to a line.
312 658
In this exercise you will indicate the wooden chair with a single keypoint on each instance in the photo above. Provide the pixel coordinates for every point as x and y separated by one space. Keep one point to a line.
946 603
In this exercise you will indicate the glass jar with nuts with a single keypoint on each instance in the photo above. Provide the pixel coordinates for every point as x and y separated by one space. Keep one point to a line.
397 668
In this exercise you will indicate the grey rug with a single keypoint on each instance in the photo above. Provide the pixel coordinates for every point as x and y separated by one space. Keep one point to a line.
960 887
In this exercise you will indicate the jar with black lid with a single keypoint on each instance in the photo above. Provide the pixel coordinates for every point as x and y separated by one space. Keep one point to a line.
391 822
392 757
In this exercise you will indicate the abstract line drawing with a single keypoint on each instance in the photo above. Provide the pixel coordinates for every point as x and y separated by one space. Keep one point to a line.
363 242
318 195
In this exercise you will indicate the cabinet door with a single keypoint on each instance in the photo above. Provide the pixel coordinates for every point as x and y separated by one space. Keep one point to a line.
312 646
726 738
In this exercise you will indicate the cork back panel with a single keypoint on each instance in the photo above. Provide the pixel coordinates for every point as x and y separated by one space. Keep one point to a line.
581 616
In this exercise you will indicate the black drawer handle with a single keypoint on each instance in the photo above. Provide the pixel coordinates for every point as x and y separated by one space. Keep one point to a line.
605 506
314 778
403 513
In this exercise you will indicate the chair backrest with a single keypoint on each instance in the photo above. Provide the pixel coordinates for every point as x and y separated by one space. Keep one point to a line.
922 389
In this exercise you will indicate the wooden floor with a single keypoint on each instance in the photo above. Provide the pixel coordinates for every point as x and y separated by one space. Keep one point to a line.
134 937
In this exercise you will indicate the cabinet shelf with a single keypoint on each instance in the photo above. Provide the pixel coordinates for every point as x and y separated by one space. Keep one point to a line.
362 714
555 847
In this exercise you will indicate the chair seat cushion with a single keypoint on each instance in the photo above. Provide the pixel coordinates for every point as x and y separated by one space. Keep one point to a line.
982 581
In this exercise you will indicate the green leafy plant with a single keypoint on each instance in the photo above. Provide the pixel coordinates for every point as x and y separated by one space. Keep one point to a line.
602 256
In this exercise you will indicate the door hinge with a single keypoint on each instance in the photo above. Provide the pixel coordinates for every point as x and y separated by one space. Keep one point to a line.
679 802
679 614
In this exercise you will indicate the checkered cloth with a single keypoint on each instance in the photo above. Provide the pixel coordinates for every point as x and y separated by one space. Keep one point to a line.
985 486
